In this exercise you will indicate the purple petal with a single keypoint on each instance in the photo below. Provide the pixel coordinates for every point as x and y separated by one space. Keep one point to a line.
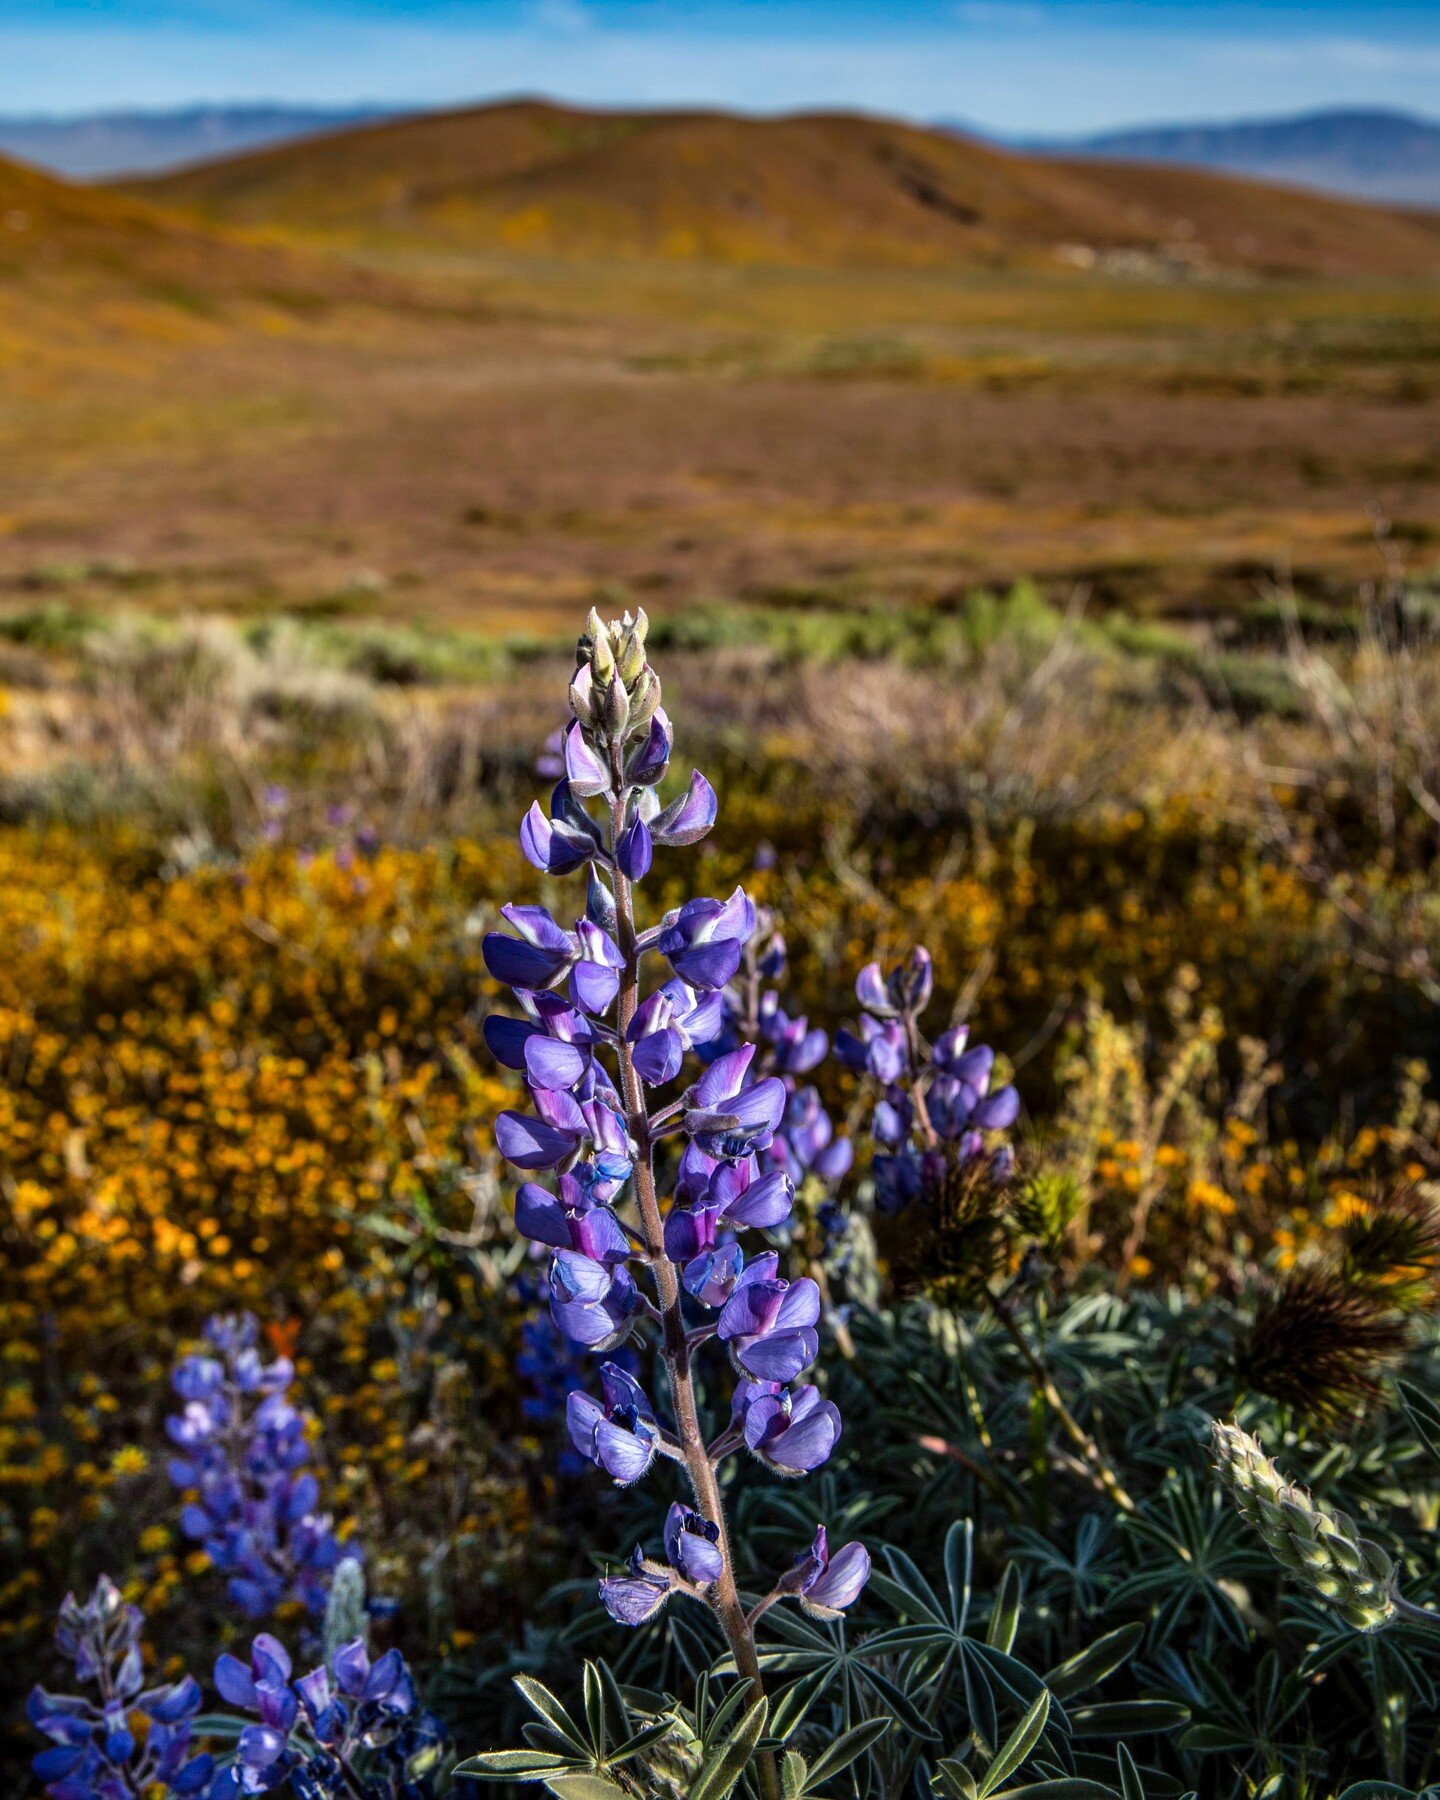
234 1682
624 1455
551 1063
997 1111
839 1586
593 986
584 770
724 1079
658 1056
540 1217
530 1143
765 1203
505 1038
634 853
687 819
782 1356
521 965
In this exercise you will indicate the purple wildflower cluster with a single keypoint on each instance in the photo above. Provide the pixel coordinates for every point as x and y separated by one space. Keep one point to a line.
129 1740
351 1730
603 1059
805 1145
936 1102
242 1450
351 1727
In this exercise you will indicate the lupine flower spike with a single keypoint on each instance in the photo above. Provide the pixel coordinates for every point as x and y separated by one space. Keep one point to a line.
602 1045
242 1455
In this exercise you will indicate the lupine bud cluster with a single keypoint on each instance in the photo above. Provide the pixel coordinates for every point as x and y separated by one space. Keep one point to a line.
350 1727
936 1103
1321 1546
129 1740
604 1061
243 1450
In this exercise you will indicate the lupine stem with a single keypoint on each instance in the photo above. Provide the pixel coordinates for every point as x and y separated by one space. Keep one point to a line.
675 1345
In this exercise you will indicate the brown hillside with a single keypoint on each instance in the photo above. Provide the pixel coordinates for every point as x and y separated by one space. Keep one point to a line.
811 189
82 269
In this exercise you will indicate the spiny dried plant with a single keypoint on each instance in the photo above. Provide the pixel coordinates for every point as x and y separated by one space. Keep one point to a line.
1319 1343
1392 1245
956 1239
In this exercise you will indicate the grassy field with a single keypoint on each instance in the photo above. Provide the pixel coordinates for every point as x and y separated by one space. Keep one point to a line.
535 431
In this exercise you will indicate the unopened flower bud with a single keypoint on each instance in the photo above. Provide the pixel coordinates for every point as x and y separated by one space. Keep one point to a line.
614 709
1323 1547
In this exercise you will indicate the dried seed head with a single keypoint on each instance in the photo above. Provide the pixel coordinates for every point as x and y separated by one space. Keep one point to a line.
1318 1343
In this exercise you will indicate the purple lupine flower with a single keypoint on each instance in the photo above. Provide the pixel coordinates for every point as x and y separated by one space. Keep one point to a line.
244 1449
585 770
686 820
705 940
769 1323
573 1221
634 851
826 1585
592 1303
632 1599
692 1544
725 1194
646 766
595 978
880 1050
537 958
935 1106
311 1730
586 1011
667 1024
791 1430
805 1142
618 1434
555 845
795 1048
729 1119
94 1753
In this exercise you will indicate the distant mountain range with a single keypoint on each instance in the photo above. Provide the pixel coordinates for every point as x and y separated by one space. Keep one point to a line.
1372 155
139 143
1367 154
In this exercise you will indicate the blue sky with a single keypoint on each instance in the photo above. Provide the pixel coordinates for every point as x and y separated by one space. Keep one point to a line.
1019 66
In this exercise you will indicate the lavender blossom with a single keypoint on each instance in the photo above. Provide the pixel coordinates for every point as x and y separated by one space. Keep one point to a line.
243 1451
350 1728
602 1052
96 1751
936 1109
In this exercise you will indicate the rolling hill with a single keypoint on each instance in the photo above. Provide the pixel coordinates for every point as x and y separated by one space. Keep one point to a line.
1372 155
82 268
812 189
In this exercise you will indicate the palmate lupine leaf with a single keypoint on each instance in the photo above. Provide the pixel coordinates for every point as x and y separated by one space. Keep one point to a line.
849 1677
1196 1547
799 1778
728 1760
935 1643
572 1761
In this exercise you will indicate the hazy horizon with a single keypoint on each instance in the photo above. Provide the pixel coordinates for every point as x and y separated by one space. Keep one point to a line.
1007 67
